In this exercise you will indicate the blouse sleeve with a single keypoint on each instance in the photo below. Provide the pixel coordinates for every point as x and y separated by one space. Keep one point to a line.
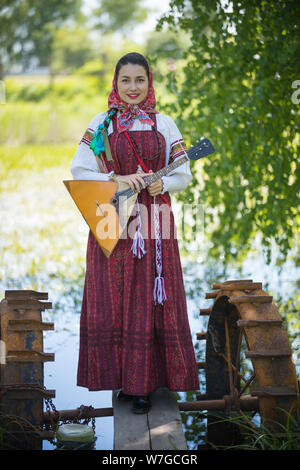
178 179
85 164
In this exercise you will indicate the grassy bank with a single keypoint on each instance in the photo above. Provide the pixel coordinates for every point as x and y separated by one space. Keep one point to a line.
18 163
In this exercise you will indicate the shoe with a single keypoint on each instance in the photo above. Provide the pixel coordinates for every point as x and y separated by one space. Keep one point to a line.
123 397
141 404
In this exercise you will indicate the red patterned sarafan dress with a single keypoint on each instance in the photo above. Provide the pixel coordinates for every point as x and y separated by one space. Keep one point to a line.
127 341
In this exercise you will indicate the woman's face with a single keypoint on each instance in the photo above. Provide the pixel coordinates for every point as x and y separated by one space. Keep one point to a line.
132 83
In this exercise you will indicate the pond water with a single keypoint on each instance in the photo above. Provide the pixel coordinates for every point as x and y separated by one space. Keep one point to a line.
43 247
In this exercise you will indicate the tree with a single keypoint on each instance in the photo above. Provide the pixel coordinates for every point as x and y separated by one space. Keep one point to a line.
118 15
166 44
27 27
240 89
71 49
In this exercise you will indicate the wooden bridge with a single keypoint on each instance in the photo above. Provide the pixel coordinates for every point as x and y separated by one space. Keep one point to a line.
22 392
240 308
159 429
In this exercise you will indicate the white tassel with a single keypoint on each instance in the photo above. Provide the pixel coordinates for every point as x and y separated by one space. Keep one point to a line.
138 244
159 292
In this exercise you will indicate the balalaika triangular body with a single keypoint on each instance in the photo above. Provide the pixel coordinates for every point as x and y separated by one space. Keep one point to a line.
106 205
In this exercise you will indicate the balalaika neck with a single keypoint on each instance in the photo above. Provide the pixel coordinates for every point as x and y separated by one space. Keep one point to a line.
165 170
155 176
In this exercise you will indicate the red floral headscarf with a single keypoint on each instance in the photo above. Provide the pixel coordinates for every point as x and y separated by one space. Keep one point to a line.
132 111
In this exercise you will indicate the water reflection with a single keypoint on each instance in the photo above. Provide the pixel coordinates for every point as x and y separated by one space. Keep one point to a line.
281 283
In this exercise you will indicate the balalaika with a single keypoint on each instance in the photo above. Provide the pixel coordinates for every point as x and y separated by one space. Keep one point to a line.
106 205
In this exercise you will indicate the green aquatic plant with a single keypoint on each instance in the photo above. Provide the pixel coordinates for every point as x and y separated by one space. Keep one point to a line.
274 436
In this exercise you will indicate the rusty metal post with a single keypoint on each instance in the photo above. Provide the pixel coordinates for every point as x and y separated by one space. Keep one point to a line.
22 367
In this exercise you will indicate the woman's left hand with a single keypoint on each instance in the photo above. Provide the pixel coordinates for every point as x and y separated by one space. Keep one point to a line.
155 188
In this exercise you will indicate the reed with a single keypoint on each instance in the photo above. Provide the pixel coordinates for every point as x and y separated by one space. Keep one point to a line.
261 437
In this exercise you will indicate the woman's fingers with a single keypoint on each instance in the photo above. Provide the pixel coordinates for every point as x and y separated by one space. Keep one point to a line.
136 181
155 188
141 179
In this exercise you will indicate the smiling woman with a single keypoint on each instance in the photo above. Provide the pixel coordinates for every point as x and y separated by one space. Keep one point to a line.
132 83
134 330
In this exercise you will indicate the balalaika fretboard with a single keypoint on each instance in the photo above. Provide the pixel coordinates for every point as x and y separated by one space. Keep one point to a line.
201 149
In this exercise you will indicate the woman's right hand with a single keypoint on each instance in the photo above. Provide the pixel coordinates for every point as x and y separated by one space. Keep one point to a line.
133 180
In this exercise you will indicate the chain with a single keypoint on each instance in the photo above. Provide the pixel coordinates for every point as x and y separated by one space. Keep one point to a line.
54 417
82 410
79 418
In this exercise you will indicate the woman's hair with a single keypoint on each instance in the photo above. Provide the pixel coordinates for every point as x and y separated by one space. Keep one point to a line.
132 58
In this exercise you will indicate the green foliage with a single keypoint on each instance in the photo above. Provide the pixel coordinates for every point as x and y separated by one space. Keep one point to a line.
37 113
27 27
33 158
58 110
92 68
52 122
118 15
275 436
167 44
72 48
238 92
57 34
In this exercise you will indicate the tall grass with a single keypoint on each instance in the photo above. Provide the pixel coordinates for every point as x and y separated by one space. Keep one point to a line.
53 122
36 112
275 436
18 163
39 112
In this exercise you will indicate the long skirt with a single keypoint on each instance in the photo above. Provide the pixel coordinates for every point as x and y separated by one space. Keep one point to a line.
126 341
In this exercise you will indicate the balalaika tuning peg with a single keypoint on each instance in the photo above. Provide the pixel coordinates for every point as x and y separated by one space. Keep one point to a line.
201 149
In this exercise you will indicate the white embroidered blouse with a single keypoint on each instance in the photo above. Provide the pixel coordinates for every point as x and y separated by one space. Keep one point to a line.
84 165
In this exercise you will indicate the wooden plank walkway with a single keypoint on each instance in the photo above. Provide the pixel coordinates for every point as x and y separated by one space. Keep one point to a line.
159 429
